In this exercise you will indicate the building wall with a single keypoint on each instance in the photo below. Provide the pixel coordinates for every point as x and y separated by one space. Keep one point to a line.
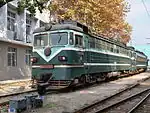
45 16
17 38
21 70
20 23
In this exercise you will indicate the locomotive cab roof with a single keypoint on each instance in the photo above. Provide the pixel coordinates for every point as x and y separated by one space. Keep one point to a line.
132 48
72 25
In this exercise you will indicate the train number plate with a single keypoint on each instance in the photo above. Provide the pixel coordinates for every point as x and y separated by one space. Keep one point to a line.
46 66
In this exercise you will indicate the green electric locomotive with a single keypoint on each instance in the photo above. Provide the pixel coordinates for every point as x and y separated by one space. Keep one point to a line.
67 54
141 61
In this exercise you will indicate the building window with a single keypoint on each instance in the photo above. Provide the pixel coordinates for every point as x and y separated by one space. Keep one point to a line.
12 56
42 24
28 57
28 29
11 17
28 26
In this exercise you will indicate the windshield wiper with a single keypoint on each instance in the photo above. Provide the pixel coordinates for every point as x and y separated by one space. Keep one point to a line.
59 37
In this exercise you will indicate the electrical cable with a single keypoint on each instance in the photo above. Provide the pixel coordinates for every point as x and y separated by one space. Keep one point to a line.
145 8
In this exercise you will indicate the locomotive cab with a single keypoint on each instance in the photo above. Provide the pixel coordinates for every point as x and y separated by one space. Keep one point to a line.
57 54
46 46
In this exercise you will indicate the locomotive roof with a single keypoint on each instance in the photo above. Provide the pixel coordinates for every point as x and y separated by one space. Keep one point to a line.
132 48
73 25
140 52
58 27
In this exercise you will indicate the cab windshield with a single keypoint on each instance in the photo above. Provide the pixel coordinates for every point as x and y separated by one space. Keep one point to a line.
58 38
41 40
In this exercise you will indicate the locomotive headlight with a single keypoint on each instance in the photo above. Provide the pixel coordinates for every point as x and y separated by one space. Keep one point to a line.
62 58
33 59
47 51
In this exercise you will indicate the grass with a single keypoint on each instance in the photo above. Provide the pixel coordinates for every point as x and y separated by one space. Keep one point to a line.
50 105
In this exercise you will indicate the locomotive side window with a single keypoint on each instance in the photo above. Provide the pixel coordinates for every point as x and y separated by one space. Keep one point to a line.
117 49
102 45
92 43
108 46
96 43
99 44
79 40
111 45
41 40
71 41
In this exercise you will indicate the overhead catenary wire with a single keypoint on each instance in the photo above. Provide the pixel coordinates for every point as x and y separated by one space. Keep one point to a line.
145 8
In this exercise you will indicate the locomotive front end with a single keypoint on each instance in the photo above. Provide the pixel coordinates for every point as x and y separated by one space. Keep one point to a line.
49 58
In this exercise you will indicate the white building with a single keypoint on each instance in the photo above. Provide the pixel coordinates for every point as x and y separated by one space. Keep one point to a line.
15 41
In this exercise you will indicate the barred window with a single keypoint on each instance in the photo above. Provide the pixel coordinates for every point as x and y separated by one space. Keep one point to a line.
11 21
12 56
28 57
28 26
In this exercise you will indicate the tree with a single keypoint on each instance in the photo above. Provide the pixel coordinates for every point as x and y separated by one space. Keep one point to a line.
106 17
3 2
30 5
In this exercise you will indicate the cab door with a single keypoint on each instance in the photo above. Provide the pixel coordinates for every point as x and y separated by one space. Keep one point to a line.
86 54
79 45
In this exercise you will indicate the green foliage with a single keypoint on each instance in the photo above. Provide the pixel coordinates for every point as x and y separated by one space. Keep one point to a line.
30 5
3 2
106 17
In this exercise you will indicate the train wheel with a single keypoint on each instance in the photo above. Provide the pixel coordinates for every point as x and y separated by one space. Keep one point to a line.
100 78
83 79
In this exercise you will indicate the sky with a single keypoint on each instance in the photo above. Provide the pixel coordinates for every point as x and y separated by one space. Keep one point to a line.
140 21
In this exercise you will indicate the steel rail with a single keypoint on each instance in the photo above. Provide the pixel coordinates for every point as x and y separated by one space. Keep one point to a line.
121 101
139 103
26 92
11 95
18 93
86 108
83 110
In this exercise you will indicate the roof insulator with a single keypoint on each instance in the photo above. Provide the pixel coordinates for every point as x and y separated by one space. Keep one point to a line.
48 27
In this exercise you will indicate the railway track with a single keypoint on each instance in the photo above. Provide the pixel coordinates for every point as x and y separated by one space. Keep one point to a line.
120 102
134 108
118 106
142 106
4 99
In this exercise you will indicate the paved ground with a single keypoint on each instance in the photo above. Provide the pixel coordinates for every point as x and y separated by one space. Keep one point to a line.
68 102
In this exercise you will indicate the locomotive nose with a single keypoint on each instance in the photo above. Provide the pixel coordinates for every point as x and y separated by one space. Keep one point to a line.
47 51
